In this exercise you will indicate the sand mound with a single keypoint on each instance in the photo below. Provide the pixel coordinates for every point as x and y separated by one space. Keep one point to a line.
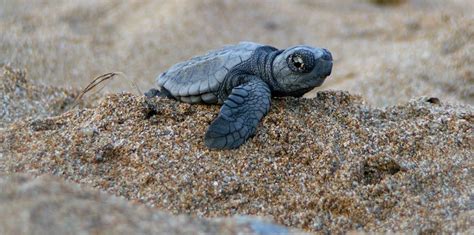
46 205
328 164
20 98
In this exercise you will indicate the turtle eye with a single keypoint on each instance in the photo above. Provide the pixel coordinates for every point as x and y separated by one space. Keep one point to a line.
301 61
298 62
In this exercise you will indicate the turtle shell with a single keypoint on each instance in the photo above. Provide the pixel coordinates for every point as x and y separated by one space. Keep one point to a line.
197 79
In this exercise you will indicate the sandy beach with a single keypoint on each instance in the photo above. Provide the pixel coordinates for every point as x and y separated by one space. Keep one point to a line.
384 145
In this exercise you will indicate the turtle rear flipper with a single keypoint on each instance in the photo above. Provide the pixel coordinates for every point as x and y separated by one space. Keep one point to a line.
155 92
239 116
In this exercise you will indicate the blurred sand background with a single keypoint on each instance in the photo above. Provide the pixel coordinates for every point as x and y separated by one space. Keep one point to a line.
388 54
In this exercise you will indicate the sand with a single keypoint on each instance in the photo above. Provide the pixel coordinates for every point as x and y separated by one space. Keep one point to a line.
21 98
48 205
385 145
387 54
328 164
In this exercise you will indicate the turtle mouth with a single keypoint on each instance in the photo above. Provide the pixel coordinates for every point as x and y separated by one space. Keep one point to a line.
329 69
324 68
322 71
319 82
324 64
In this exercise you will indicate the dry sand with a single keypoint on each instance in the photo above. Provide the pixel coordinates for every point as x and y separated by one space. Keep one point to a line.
329 164
21 98
47 205
387 54
388 146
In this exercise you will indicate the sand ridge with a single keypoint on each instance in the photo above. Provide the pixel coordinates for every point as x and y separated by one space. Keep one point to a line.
335 164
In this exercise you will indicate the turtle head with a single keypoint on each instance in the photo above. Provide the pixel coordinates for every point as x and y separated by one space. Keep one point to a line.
299 69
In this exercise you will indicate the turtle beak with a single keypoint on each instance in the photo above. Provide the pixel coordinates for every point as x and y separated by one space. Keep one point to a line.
327 68
325 63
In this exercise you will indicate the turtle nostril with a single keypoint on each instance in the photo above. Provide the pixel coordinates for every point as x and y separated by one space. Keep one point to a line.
326 55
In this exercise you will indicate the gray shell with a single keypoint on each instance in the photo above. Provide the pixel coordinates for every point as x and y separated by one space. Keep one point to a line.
198 79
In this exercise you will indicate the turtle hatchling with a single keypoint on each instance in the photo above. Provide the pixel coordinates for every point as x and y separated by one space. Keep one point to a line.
243 78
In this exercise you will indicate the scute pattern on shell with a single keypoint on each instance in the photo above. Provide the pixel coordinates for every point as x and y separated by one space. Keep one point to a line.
203 74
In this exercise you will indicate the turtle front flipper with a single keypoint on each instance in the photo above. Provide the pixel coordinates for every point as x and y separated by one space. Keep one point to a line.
239 115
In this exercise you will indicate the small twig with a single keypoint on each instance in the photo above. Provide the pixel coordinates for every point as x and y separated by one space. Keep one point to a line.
100 79
131 80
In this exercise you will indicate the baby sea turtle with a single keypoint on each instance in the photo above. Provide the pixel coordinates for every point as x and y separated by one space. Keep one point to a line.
243 77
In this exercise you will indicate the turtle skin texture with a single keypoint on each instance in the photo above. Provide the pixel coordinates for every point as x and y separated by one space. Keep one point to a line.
243 78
